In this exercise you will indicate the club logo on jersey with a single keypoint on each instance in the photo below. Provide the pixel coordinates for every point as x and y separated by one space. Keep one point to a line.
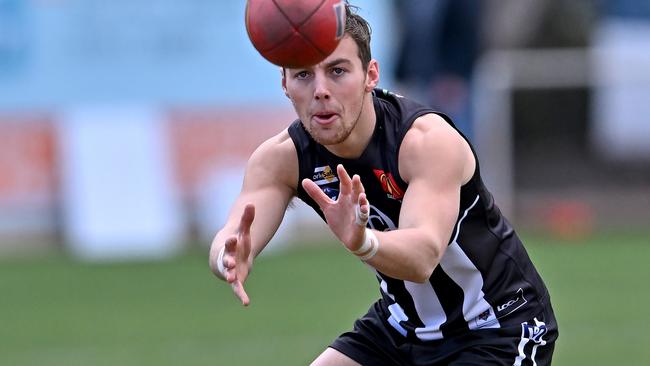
378 220
389 185
485 319
511 305
484 316
324 175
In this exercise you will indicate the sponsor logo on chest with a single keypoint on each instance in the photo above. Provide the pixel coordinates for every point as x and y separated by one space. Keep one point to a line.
324 175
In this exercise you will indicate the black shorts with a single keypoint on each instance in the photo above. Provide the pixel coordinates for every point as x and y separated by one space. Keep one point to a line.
374 342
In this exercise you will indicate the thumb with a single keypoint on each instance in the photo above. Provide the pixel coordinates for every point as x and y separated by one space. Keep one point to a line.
247 218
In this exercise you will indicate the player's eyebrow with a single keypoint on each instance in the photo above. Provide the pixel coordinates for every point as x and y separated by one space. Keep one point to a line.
337 61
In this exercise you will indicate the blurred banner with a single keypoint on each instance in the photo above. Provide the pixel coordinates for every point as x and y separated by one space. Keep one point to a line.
28 172
125 126
117 190
621 61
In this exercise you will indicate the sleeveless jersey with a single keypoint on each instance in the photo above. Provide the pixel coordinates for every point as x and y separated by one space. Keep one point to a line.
485 278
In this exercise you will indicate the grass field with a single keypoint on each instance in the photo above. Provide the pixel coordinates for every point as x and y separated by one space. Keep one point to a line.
54 311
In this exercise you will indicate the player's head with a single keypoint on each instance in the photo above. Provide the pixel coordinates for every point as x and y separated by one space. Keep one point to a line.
330 97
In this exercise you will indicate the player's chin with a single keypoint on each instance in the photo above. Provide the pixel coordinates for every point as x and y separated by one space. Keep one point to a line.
327 138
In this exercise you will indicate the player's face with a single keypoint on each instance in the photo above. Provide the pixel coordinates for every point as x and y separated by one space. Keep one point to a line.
329 96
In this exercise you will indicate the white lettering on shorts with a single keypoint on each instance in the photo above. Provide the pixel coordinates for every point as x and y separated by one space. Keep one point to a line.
530 332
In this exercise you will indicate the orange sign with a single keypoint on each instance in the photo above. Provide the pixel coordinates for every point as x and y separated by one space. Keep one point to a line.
28 154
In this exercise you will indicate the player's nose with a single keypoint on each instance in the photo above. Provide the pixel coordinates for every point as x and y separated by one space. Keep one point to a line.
321 89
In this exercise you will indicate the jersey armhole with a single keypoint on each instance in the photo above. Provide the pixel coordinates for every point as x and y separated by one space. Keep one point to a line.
300 142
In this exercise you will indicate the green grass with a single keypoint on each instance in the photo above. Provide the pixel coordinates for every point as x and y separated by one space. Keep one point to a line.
54 311
599 289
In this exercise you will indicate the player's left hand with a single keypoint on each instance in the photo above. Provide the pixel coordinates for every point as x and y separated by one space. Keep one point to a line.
341 215
237 259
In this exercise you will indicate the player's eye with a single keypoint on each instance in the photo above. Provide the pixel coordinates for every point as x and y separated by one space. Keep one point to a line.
302 75
338 71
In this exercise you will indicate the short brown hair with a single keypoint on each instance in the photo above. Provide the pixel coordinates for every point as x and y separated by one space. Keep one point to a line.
359 30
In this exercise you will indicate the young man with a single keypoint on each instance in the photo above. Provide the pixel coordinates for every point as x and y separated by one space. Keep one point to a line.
401 189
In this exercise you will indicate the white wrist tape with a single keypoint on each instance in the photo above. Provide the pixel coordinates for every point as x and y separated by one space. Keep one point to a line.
220 267
361 218
369 247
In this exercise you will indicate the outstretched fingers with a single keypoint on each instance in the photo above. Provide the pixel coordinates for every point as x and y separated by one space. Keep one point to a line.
229 261
362 206
230 266
362 210
357 186
238 289
316 193
345 184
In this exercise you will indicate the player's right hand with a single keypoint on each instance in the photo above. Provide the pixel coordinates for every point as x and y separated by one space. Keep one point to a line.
343 214
237 260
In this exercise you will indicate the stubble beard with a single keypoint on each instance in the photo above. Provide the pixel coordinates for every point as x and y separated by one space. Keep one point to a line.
345 131
339 137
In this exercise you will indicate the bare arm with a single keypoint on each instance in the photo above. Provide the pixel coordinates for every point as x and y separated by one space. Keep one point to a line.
269 184
436 162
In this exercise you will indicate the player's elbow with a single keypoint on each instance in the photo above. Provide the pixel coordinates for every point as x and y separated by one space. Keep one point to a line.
428 260
422 274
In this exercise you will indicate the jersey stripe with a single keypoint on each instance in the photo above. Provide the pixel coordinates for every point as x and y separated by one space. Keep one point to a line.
455 265
476 311
428 308
396 312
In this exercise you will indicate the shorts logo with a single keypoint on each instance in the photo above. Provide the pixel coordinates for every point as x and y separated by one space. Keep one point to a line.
534 332
389 185
512 305
324 175
530 332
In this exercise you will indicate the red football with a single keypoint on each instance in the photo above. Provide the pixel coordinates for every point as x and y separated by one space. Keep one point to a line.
295 33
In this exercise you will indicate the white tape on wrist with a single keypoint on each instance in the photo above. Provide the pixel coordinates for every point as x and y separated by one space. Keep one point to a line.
369 247
220 267
361 218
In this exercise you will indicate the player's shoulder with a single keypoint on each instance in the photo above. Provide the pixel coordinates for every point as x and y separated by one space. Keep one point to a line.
431 140
432 128
429 121
276 157
277 144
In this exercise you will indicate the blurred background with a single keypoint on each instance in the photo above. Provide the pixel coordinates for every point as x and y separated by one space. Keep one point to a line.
125 127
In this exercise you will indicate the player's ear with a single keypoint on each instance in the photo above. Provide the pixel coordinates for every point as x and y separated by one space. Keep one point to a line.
283 72
372 75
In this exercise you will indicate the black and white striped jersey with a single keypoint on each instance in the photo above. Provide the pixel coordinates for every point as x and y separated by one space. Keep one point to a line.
485 278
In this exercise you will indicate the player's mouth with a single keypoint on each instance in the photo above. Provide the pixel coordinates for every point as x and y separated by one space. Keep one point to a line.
324 118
